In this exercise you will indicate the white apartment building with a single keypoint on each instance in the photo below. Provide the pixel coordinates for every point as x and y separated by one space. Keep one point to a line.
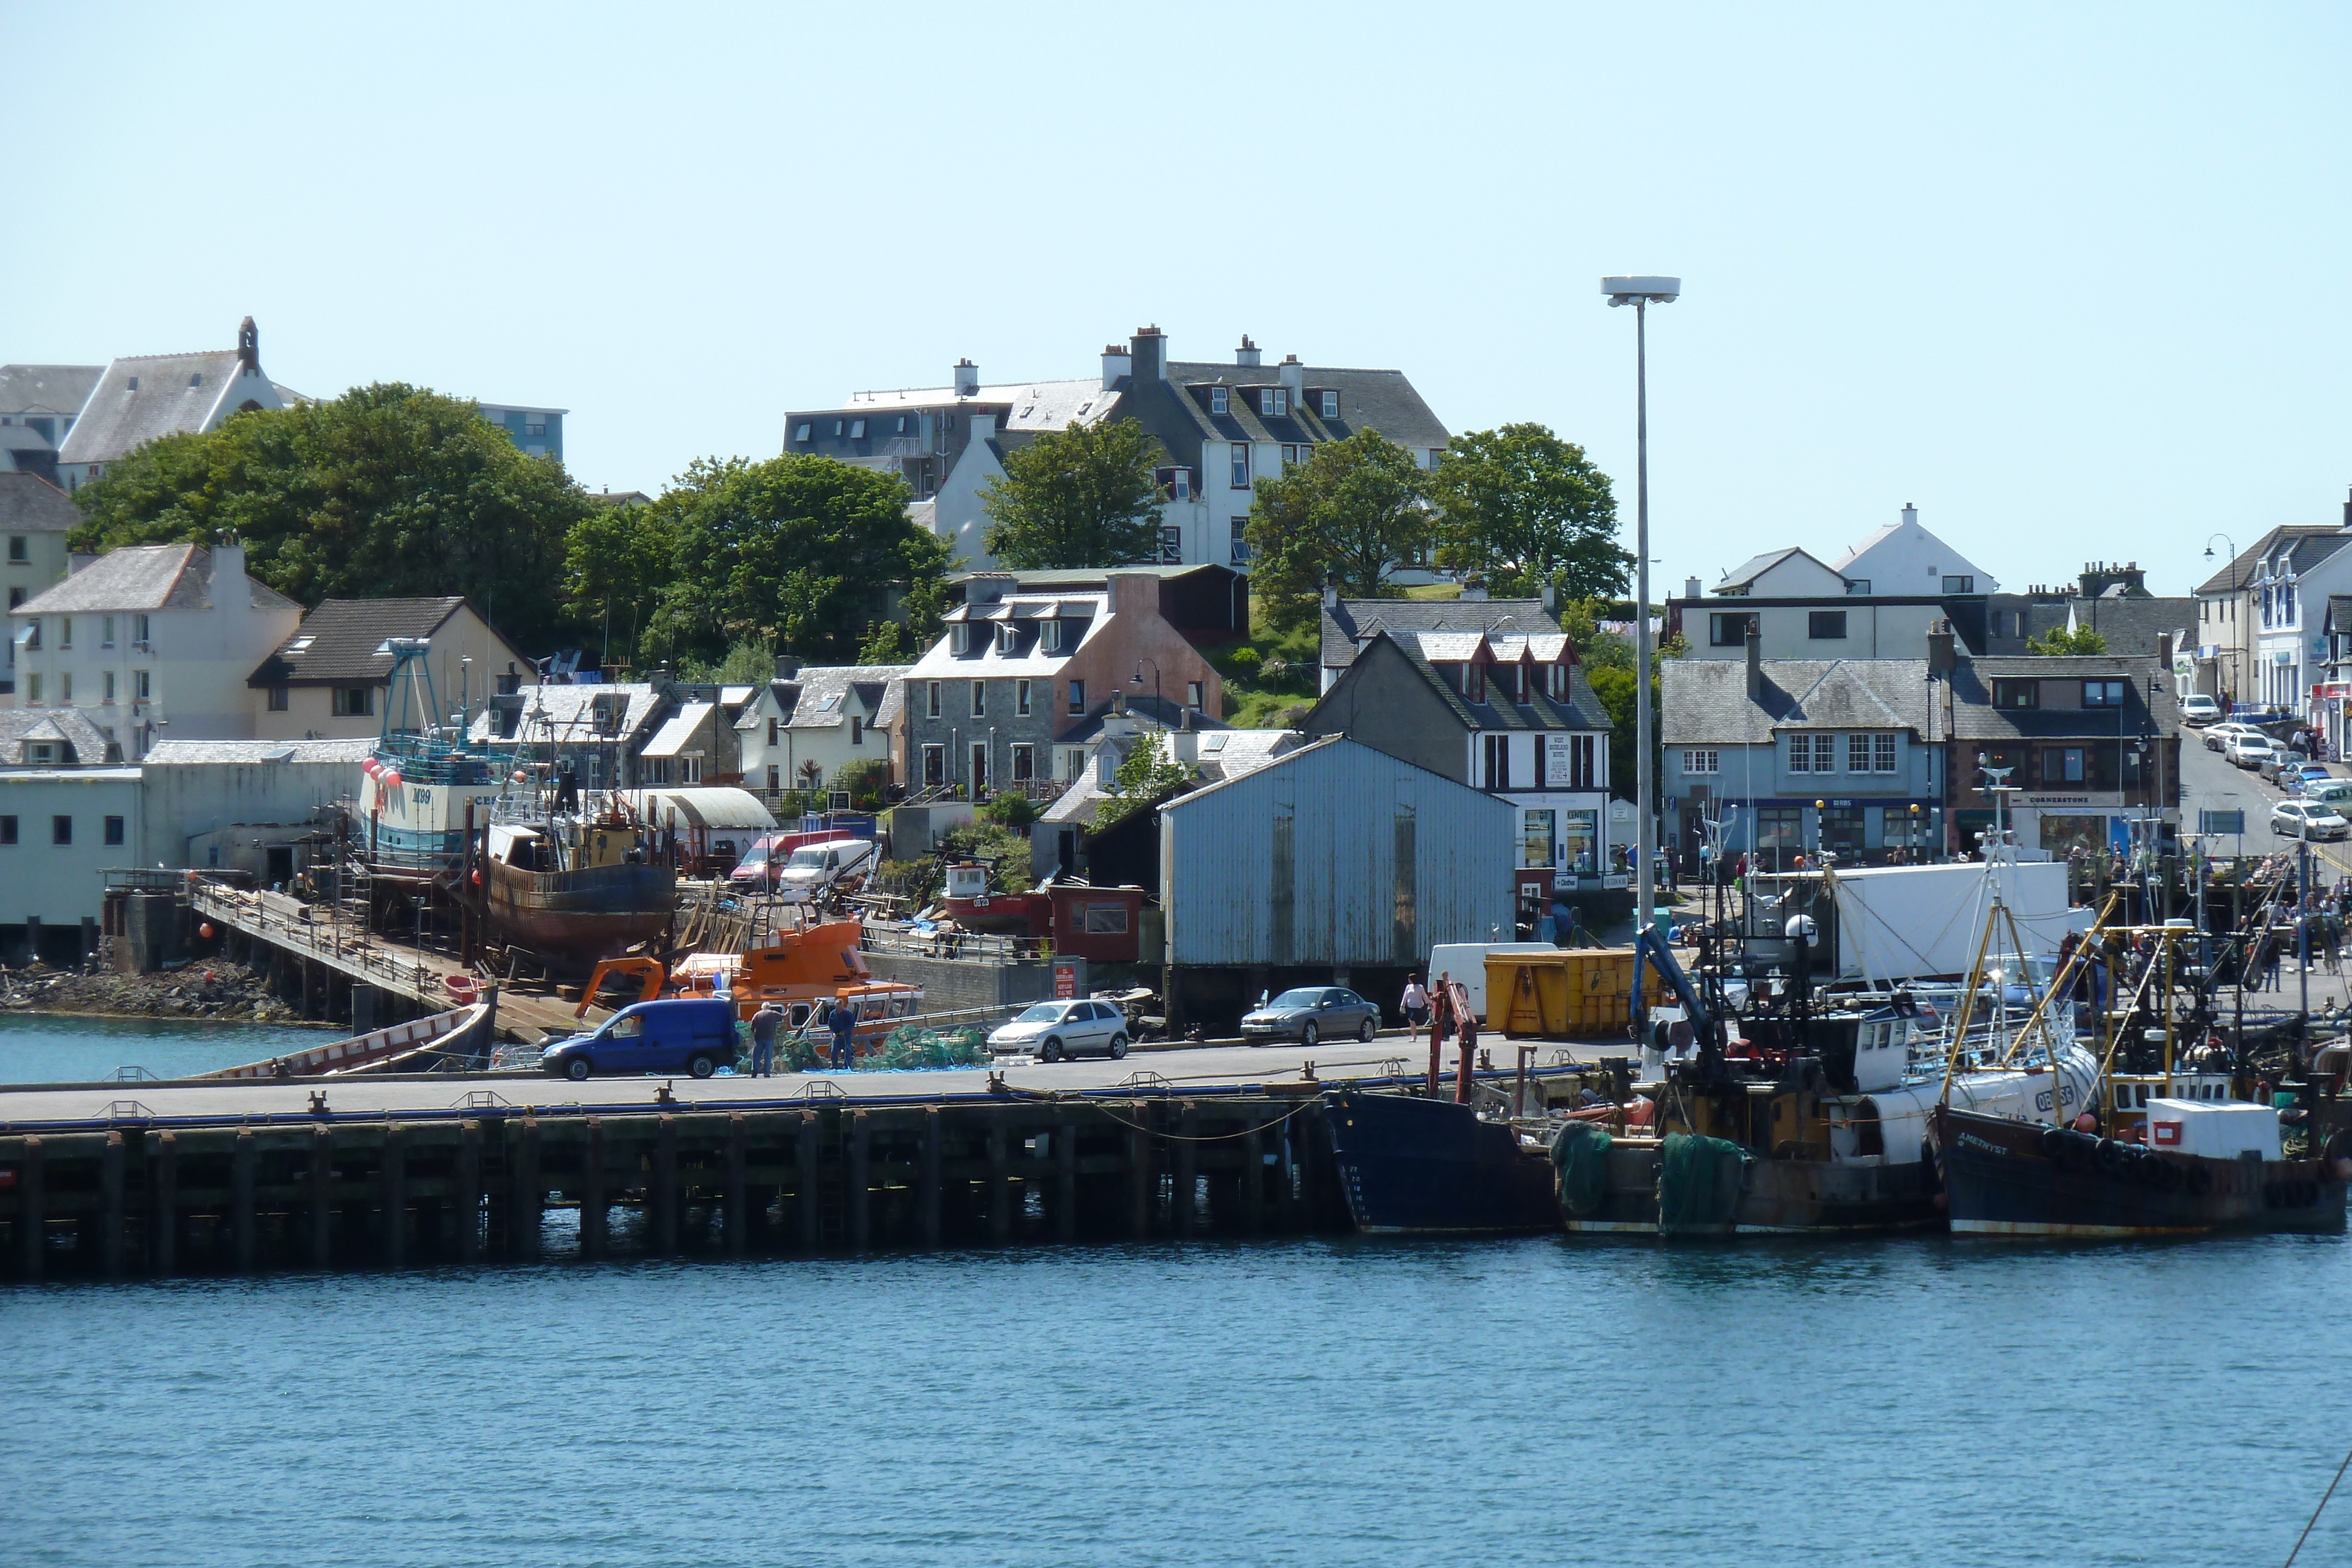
150 639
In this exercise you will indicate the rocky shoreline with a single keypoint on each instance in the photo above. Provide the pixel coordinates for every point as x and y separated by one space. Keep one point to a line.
215 989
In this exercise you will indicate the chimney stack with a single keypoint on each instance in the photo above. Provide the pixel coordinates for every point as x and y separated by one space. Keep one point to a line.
787 667
2347 514
1293 380
1246 355
1551 598
1691 588
1116 363
2164 651
1940 649
967 379
1330 596
1910 516
1754 640
1149 349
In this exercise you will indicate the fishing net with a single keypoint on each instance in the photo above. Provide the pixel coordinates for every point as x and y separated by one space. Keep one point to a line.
912 1046
1698 1185
1580 1157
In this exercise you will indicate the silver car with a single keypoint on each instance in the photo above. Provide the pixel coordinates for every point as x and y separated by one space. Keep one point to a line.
1311 1013
1052 1031
2307 820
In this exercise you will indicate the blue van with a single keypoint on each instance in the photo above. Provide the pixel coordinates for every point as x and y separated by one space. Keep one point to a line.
684 1034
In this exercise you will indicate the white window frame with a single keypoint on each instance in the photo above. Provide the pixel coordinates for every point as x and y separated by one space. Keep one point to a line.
1702 759
1276 403
1240 465
1049 639
979 699
1857 753
1021 698
1330 405
1218 403
1882 752
960 638
932 700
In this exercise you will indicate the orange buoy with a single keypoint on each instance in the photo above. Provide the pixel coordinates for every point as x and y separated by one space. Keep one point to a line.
205 931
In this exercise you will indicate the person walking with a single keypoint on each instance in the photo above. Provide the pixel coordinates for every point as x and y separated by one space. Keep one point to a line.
1415 1002
843 1022
764 1025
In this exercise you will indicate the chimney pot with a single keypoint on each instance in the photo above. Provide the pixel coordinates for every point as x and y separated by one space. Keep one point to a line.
1247 354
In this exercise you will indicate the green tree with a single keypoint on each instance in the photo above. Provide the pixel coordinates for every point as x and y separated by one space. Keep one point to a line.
746 664
1076 497
1521 509
1146 777
387 491
800 554
1346 515
616 561
1608 661
2058 640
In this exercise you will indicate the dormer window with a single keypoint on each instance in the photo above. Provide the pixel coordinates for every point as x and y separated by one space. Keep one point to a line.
1274 403
1330 405
856 430
1556 681
1049 637
1217 400
960 638
1008 638
803 431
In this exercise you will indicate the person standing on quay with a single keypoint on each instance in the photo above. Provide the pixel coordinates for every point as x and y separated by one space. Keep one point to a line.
843 1024
1415 1002
764 1024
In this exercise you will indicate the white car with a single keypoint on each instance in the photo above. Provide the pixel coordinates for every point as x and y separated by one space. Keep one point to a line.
2307 819
1053 1030
2248 750
2198 710
815 868
2218 736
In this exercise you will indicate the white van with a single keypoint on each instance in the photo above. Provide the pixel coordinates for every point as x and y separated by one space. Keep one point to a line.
815 868
1466 962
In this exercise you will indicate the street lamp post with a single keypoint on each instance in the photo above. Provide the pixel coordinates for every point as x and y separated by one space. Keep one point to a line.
2237 622
1158 702
1640 293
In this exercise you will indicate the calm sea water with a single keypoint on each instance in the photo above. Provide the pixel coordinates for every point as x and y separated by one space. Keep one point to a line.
35 1049
1535 1401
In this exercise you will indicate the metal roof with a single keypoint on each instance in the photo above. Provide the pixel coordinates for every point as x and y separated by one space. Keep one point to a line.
710 806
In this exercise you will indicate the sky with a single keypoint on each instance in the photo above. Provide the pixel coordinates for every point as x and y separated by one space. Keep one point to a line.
2070 278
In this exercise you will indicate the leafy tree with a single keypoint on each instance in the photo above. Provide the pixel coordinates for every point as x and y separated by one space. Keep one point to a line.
802 554
2058 640
1146 777
1017 812
617 560
1346 515
887 643
1081 496
746 664
1520 509
1608 661
389 490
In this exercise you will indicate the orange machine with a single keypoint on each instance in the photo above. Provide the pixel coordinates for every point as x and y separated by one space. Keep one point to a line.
796 969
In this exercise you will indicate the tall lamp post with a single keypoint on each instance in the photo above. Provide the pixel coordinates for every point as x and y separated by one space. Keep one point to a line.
2237 624
1641 293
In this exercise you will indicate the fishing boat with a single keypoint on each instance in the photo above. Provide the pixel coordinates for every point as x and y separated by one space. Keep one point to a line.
460 1037
421 776
570 887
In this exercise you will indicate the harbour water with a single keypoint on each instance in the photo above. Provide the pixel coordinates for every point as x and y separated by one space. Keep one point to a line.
37 1047
1534 1401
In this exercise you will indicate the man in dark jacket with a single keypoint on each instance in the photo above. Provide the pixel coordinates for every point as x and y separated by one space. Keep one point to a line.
844 1024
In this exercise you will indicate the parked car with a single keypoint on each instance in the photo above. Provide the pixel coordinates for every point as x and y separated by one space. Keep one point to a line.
2336 792
2248 750
1311 1013
2307 819
2217 736
682 1034
2299 778
2281 761
2198 710
1052 1030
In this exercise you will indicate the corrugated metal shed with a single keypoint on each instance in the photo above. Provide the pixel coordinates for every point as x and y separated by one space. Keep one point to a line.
1336 854
706 806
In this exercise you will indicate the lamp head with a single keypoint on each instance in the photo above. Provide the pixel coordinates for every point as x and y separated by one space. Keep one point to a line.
1642 290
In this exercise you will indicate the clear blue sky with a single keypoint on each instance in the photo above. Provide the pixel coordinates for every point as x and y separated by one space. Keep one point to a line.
2072 278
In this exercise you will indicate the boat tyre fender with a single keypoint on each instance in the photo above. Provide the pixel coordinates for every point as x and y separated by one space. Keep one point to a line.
2054 1145
2152 1171
2111 1156
2201 1180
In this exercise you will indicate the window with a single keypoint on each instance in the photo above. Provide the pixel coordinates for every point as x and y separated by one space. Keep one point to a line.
689 769
856 430
1556 680
279 696
1024 762
960 638
1436 456
534 426
2103 694
65 631
1813 754
1008 636
1021 696
1240 545
840 428
1702 760
935 767
1289 455
609 711
856 730
1583 754
1077 696
1826 625
354 702
1857 585
1106 919
60 829
1275 403
1730 630
1330 405
773 724
64 685
803 431
1959 585
979 699
8 830
2016 693
1175 484
1857 754
139 637
113 829
106 690
106 633
903 423
1049 638
15 597
33 686
1194 692
1497 761
656 769
1882 753
19 549
775 776
1216 400
1240 465
932 700
2061 765
1171 547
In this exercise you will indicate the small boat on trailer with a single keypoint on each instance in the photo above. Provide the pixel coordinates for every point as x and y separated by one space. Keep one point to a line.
461 1037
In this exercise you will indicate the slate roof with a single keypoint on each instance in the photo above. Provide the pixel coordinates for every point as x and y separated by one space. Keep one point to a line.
31 504
1226 755
1537 711
20 727
238 753
1354 619
1369 400
141 399
2129 625
816 697
1975 719
1089 612
47 389
336 643
673 737
2311 545
1757 566
1157 714
1705 701
567 715
2340 613
145 577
